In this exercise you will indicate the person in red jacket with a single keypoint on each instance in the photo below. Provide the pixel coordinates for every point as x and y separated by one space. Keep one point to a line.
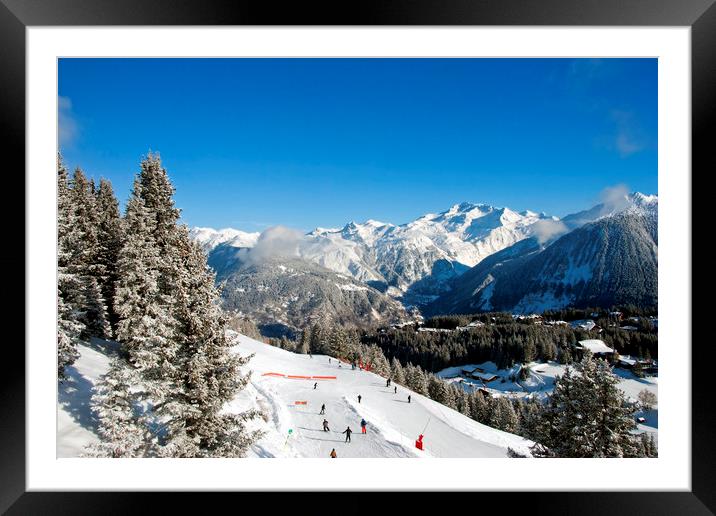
333 453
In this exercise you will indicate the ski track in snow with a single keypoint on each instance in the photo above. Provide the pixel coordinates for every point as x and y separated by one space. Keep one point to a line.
393 423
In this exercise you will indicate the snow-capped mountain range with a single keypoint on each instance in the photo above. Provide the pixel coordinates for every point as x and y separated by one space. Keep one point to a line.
209 238
422 262
395 258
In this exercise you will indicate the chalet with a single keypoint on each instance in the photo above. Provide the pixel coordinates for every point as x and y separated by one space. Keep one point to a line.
596 346
471 326
629 362
583 324
556 323
434 330
483 377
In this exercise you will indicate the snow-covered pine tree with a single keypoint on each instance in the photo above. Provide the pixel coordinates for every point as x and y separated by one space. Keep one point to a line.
479 407
338 343
69 292
194 424
587 416
304 347
68 335
109 232
123 427
379 364
462 401
435 391
83 247
417 380
397 372
318 339
503 414
145 326
85 225
96 320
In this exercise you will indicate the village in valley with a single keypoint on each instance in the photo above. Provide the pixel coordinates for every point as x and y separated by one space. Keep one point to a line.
535 380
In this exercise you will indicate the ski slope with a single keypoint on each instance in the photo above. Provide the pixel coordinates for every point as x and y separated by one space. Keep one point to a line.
393 423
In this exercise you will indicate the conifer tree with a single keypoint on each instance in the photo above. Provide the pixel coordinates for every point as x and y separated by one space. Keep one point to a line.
144 327
379 364
587 416
109 232
396 371
338 343
503 414
123 427
479 408
68 334
462 401
69 295
210 376
95 318
304 346
173 334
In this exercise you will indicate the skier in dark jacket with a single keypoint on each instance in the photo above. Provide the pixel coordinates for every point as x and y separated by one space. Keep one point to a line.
323 409
362 426
325 426
408 398
315 385
395 390
359 397
348 433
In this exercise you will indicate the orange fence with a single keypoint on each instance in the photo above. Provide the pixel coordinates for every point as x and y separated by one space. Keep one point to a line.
299 377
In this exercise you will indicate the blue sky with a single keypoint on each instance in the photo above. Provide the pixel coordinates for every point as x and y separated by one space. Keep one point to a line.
252 143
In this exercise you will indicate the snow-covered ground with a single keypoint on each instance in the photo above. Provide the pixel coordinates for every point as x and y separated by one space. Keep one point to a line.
393 423
540 383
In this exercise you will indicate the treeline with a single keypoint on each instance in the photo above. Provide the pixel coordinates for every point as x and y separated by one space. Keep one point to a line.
503 341
140 280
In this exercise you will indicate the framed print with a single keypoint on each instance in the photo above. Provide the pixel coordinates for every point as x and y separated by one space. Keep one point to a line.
413 233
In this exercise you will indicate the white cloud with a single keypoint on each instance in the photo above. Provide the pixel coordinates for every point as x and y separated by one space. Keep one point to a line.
67 126
547 229
614 198
277 241
628 138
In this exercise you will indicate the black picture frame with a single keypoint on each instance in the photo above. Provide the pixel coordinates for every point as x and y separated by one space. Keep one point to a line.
17 15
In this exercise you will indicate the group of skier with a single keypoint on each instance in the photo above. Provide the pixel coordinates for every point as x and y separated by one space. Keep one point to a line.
363 422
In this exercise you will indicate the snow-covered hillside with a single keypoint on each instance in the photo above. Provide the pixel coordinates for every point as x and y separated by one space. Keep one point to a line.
393 423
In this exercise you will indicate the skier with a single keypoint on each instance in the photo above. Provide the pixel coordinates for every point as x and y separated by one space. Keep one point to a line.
363 425
315 385
359 397
387 383
333 453
325 426
408 398
323 409
395 390
329 360
348 433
